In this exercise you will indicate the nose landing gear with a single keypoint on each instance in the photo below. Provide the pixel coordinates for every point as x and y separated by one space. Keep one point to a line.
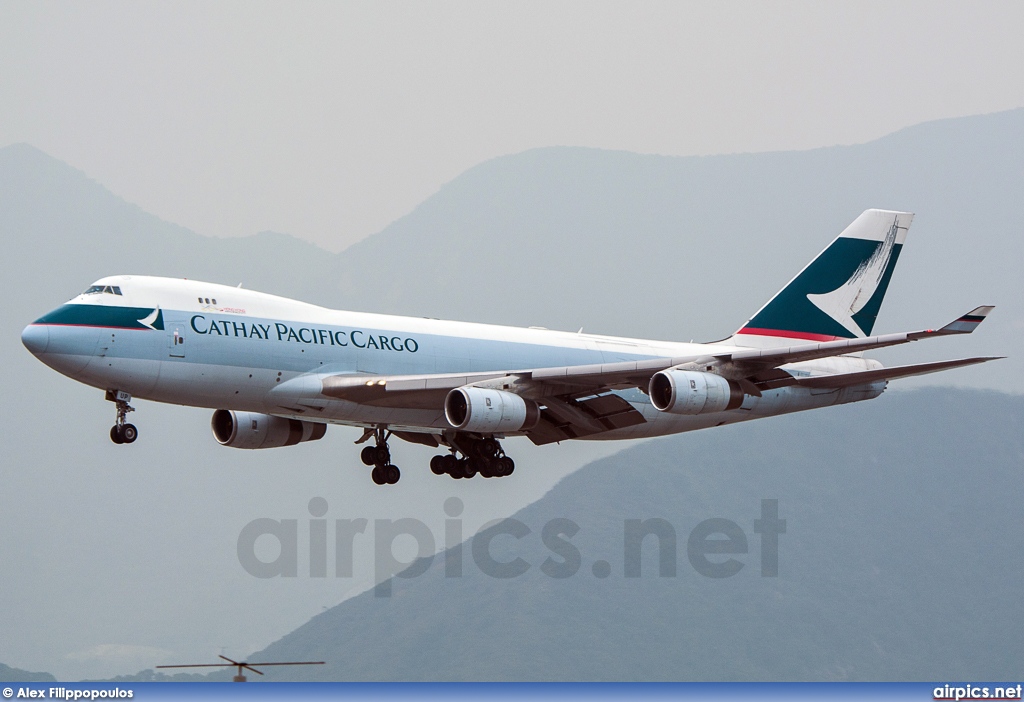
122 432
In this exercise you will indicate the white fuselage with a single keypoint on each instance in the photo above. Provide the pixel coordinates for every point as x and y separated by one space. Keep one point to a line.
206 345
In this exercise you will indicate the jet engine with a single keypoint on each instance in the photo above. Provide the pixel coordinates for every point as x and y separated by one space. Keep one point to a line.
692 392
487 411
251 430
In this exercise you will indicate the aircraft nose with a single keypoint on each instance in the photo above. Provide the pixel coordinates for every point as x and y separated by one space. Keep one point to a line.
36 338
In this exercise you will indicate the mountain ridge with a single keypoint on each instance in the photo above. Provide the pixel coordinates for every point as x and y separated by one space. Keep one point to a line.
633 245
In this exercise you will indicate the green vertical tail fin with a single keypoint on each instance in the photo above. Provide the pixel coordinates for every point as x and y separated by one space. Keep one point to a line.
839 293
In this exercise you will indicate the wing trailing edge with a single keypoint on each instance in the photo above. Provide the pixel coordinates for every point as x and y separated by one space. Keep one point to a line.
844 380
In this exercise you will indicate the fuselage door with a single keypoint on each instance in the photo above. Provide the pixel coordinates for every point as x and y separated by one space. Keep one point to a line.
176 341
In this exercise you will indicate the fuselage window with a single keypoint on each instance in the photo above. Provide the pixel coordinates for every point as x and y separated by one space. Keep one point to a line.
215 301
200 300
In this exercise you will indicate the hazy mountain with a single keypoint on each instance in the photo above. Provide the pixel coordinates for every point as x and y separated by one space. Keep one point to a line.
63 230
9 674
630 244
689 248
617 243
898 562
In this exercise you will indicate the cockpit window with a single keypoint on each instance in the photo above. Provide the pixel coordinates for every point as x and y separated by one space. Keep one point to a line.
108 289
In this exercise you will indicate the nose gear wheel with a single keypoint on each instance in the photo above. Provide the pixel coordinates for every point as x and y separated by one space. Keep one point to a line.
122 432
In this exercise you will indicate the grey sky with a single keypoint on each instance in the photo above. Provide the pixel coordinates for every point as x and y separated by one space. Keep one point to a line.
330 120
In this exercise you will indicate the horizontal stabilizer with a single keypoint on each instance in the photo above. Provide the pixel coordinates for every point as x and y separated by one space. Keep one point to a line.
845 380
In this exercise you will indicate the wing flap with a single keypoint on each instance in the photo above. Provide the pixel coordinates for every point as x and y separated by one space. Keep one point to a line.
561 420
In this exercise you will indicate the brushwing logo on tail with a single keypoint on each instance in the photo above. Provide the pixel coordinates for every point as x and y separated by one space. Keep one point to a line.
843 303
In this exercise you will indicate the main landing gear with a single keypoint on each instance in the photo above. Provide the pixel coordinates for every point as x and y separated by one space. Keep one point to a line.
483 457
122 432
468 458
379 456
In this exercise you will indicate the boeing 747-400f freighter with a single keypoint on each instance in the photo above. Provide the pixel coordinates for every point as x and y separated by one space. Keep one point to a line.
277 371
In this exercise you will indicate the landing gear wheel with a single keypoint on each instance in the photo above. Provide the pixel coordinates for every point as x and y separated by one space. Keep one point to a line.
129 433
489 448
122 432
460 470
437 465
368 455
506 466
379 456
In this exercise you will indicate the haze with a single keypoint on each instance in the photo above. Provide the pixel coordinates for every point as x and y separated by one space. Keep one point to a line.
330 120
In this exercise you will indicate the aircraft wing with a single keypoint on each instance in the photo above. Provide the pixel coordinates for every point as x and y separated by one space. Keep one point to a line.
575 400
740 364
564 416
843 380
414 391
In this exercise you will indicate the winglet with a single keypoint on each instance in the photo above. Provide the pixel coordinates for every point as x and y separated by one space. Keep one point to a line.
968 322
964 324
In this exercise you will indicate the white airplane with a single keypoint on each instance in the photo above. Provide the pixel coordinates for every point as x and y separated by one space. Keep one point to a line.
277 371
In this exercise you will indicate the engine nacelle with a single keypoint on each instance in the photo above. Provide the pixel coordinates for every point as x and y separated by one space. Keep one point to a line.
252 430
487 411
693 392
